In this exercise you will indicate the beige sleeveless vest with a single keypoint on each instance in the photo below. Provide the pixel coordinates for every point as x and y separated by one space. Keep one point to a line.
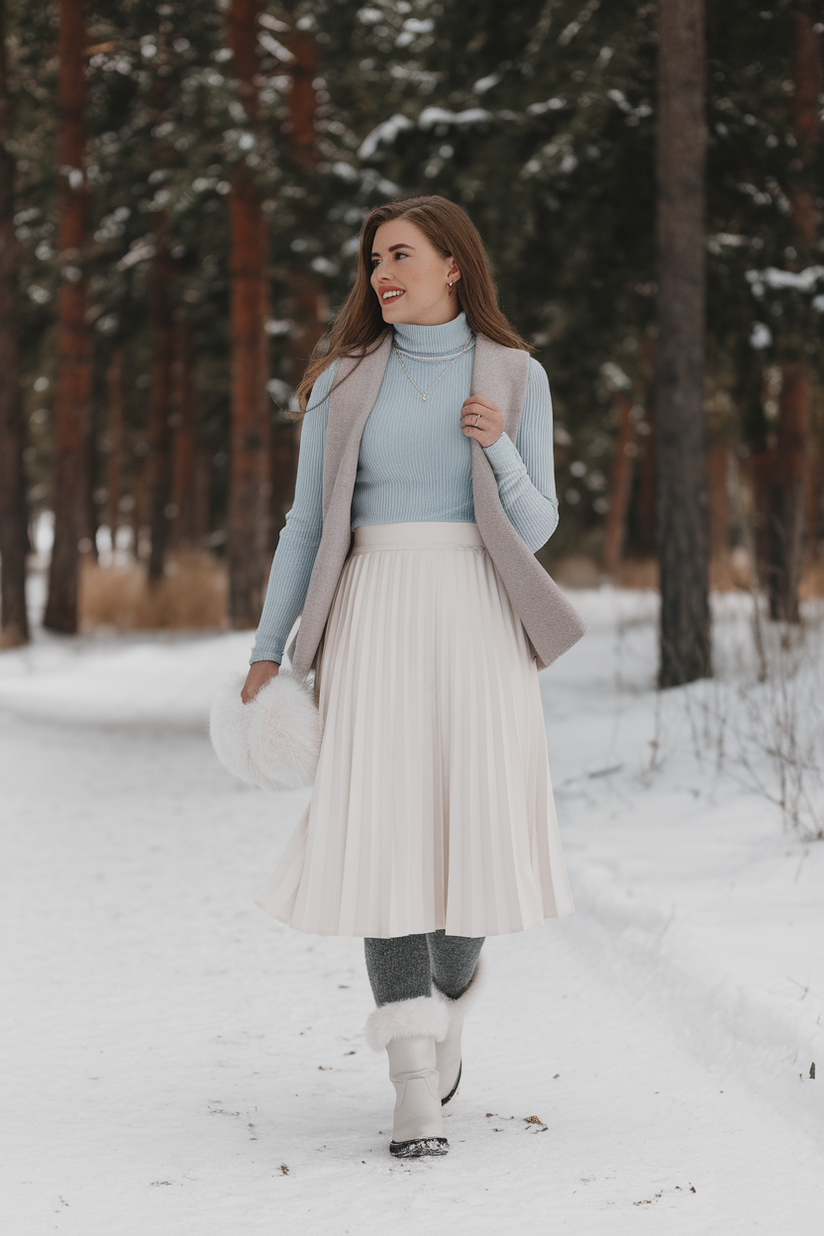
499 373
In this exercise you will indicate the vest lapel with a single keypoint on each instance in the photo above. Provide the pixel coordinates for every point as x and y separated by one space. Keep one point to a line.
551 623
349 408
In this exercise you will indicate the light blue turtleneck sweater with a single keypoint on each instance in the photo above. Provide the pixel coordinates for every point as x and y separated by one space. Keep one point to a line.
414 465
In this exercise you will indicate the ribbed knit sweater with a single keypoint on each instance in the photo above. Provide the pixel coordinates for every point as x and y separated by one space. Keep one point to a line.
414 465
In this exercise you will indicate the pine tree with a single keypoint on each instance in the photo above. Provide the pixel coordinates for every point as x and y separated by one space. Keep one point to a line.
795 414
72 405
14 626
250 442
682 498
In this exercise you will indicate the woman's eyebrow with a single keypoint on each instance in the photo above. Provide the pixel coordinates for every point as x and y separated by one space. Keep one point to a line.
392 249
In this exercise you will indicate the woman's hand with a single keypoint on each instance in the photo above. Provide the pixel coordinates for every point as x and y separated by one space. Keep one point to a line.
482 419
259 674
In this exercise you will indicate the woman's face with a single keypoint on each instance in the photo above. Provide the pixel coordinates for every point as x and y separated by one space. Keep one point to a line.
410 278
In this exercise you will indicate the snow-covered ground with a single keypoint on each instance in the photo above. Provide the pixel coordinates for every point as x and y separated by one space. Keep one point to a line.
178 1063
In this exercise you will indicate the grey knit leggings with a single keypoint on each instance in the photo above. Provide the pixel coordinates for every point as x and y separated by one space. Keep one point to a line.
406 967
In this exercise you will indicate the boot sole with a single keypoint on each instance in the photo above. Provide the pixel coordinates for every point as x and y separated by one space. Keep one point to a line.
454 1089
417 1147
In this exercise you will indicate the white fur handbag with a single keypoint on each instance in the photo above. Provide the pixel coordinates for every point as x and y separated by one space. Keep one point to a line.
274 740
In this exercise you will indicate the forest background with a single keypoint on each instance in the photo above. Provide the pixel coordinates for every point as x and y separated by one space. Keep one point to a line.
181 190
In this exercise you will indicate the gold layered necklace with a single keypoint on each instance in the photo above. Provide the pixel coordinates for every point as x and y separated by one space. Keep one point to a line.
424 393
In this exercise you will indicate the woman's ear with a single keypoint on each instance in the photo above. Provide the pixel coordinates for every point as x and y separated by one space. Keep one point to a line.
453 275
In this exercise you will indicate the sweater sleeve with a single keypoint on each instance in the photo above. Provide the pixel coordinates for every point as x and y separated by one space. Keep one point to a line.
524 469
300 537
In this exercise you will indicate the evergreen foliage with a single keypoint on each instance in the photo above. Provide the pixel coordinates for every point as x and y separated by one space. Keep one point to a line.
537 117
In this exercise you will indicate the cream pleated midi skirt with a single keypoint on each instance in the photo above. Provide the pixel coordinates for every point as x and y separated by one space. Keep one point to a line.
432 804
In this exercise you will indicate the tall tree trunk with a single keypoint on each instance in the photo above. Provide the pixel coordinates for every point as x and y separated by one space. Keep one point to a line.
139 507
87 545
718 463
762 470
158 460
645 520
807 75
161 321
645 532
306 298
249 482
306 295
795 406
202 498
682 531
285 447
14 625
615 529
184 448
787 507
114 434
71 409
815 491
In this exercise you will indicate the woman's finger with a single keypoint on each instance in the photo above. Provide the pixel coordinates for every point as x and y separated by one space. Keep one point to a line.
482 400
482 417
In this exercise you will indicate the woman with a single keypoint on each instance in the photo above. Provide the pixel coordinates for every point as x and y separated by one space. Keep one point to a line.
409 550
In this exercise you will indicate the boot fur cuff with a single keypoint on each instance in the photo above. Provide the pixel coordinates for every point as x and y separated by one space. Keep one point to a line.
472 992
406 1019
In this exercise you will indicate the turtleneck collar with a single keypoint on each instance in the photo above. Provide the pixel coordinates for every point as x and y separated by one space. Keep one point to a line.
443 340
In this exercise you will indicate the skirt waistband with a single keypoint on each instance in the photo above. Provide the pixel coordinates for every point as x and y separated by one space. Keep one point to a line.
417 535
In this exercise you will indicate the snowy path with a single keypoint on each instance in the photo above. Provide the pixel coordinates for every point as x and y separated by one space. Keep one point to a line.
169 1047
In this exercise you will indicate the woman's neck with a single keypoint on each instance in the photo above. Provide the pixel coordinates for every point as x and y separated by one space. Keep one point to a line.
441 340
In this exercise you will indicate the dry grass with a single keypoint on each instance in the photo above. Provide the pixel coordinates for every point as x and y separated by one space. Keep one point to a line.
637 573
192 596
734 574
812 581
583 571
730 574
577 571
11 636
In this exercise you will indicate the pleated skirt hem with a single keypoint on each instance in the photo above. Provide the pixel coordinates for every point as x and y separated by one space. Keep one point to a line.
432 804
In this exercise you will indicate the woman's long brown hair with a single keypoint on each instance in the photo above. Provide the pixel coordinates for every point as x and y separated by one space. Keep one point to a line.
359 325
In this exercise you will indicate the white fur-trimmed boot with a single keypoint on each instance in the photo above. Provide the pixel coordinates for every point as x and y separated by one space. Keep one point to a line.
410 1031
448 1054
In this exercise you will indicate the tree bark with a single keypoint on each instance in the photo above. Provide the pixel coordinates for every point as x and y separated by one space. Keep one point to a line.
158 460
645 528
87 544
305 290
762 468
807 75
73 394
202 503
786 544
139 507
184 447
306 296
814 491
114 434
615 529
718 462
682 531
14 625
249 478
285 447
787 506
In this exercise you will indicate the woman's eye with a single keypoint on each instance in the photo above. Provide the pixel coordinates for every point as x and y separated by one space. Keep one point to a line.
376 261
